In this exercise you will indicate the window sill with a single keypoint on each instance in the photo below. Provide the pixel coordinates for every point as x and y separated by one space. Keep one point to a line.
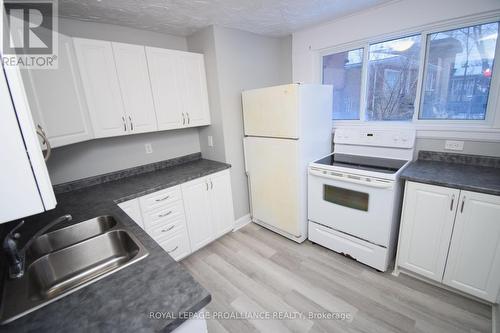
432 131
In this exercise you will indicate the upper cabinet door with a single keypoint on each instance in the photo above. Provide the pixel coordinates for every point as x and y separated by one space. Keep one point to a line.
221 201
193 83
474 260
272 112
133 77
102 90
56 99
426 227
164 67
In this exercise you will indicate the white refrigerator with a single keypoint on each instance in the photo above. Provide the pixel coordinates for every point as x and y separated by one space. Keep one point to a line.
286 127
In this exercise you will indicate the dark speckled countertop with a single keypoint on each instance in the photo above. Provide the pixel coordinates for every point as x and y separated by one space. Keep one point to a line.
123 301
466 172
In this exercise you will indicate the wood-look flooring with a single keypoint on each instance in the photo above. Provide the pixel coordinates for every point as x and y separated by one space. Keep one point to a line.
254 270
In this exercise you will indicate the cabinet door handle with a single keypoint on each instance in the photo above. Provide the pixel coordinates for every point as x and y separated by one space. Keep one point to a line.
462 207
206 183
168 229
189 119
452 201
183 119
175 248
45 141
167 213
131 123
211 184
124 124
164 198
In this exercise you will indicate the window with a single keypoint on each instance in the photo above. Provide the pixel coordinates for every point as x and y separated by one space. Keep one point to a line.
343 72
458 71
392 79
381 81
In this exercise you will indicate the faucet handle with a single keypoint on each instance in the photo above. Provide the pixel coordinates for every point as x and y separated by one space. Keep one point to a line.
12 233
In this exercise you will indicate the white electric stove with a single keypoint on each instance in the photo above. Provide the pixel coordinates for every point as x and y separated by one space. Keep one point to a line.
354 194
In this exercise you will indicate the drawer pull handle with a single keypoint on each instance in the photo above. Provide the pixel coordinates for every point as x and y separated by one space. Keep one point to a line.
164 198
168 229
167 213
175 248
452 201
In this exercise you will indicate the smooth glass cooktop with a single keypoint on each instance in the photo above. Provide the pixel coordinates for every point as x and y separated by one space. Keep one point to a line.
384 165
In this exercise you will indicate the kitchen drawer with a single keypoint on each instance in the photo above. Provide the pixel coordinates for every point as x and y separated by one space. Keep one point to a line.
167 229
177 246
160 198
163 214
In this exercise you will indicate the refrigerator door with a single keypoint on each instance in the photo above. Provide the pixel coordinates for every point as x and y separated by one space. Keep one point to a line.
272 112
272 167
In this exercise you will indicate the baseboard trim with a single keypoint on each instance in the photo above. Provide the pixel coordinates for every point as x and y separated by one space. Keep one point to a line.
241 222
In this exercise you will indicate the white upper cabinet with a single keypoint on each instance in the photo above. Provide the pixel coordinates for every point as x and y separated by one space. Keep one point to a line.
426 227
133 77
164 75
193 91
100 83
56 98
474 260
179 86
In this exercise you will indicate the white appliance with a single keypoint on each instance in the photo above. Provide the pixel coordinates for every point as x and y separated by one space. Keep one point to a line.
354 194
286 127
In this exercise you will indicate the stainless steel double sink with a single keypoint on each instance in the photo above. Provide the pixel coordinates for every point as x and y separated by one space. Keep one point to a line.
65 260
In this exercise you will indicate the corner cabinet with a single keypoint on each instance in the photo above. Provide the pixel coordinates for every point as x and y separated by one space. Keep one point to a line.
186 217
453 237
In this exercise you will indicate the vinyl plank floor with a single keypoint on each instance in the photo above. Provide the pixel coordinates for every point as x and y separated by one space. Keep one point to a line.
255 271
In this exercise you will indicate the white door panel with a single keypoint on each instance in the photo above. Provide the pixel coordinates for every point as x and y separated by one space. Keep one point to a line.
426 227
273 175
100 83
272 112
133 77
221 202
473 264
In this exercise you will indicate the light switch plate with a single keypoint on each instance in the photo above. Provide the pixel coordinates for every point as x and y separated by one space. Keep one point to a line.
454 145
149 148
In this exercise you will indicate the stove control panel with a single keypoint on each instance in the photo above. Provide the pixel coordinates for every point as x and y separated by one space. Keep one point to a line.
394 138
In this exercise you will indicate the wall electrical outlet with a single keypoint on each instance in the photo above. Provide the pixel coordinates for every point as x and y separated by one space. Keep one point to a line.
454 145
210 141
149 148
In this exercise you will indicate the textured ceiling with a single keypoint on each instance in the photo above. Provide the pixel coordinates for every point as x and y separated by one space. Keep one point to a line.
183 17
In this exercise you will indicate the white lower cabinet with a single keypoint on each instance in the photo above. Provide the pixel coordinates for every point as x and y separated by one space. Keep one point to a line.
183 218
473 264
453 237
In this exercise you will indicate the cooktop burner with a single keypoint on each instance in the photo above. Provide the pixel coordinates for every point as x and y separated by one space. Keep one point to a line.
384 165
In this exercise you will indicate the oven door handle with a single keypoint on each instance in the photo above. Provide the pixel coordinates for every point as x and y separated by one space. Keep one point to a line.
350 180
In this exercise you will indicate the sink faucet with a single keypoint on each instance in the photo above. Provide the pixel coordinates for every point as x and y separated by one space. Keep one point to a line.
16 257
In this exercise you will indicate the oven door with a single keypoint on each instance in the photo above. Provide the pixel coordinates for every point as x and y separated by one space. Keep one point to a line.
352 204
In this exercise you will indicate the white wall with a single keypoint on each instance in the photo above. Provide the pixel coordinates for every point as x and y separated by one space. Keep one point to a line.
243 61
106 155
380 22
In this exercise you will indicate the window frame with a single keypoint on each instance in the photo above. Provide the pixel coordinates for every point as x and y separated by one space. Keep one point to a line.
426 127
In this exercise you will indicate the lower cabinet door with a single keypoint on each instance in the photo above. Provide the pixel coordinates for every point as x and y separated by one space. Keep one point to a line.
133 210
198 212
426 228
221 201
474 260
177 246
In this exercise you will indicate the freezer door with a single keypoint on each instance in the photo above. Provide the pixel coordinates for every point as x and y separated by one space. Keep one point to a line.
271 112
273 177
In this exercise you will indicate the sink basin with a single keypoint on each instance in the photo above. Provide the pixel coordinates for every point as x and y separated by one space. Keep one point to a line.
67 260
61 238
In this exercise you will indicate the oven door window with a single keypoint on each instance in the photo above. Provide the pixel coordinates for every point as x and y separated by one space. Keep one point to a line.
346 197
